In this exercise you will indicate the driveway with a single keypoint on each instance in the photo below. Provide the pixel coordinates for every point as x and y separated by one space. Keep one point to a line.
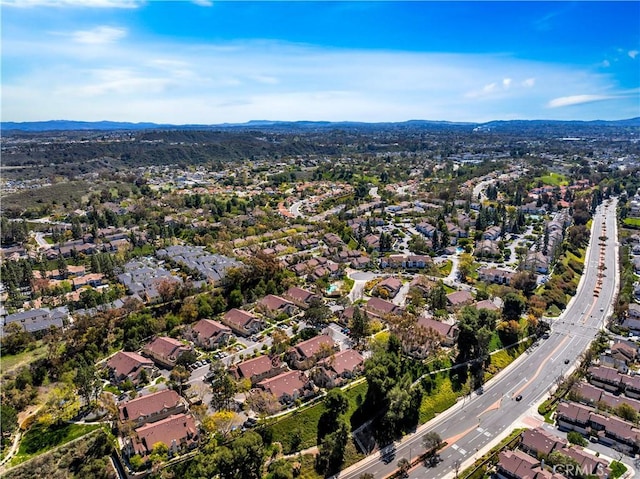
360 278
402 294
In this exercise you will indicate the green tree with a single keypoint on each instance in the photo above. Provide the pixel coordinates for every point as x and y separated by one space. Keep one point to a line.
235 298
15 339
243 459
576 438
513 307
431 441
336 405
465 266
8 419
317 313
88 383
186 358
438 297
625 411
359 325
280 470
223 387
178 377
331 451
403 467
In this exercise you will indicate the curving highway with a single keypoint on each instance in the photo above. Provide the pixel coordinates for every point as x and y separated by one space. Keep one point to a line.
476 424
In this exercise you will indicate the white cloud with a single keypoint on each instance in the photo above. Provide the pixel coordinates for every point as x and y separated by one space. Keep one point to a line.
576 100
633 54
98 35
606 63
120 82
203 3
268 80
72 3
240 81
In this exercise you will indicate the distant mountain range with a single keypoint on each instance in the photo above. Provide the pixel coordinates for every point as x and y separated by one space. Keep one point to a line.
69 125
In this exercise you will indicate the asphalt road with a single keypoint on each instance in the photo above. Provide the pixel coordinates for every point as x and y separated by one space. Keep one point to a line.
474 425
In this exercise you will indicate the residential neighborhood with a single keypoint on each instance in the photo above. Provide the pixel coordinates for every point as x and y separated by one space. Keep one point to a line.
189 304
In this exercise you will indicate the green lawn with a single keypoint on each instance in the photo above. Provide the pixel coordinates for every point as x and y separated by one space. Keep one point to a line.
305 422
10 362
633 222
501 359
617 469
445 268
442 398
307 461
38 440
554 179
495 342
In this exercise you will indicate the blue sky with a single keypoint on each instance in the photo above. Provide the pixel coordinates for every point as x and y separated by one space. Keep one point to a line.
213 62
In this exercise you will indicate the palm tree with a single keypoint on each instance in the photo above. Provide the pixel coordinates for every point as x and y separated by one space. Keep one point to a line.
403 467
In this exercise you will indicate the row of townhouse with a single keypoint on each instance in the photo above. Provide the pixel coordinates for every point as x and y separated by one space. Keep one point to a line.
66 250
406 261
326 368
611 380
591 395
160 417
207 334
611 431
535 446
314 362
39 320
318 267
212 267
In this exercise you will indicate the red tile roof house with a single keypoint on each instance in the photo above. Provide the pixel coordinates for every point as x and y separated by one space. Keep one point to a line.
625 351
288 387
392 261
539 442
178 432
305 354
123 365
272 306
606 378
379 308
631 386
516 465
242 322
165 351
390 285
591 395
209 334
448 332
257 369
589 465
457 299
152 407
487 304
615 432
360 262
336 369
493 275
300 297
573 417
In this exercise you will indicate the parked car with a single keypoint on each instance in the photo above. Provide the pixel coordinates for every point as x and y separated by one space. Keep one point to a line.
519 397
250 422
